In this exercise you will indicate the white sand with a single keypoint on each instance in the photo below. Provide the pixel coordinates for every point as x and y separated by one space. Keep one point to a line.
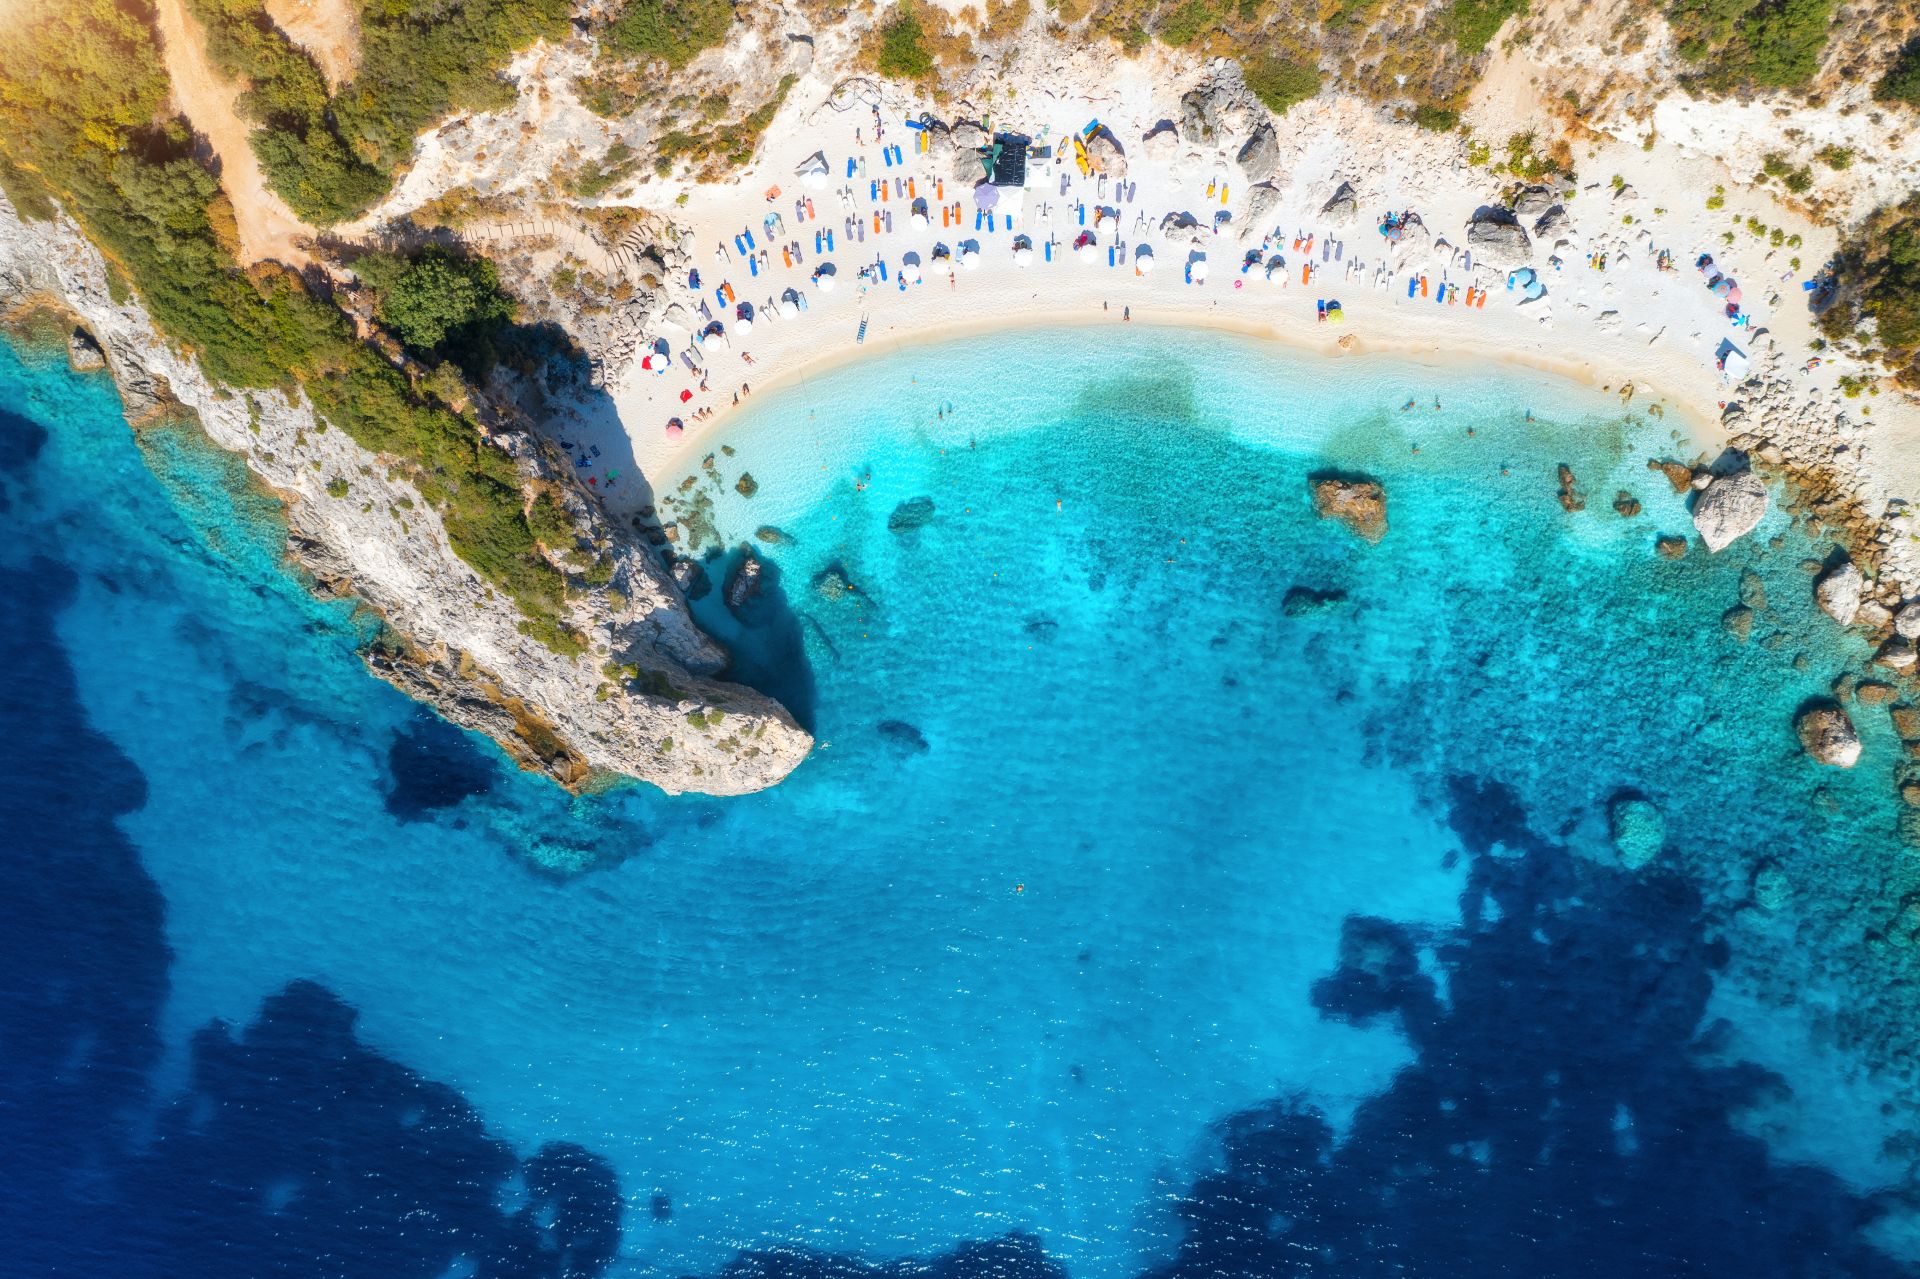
1633 322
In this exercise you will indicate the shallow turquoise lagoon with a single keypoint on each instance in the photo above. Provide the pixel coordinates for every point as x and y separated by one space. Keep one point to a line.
1107 839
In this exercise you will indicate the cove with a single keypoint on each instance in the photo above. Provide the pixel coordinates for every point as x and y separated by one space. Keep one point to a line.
1176 876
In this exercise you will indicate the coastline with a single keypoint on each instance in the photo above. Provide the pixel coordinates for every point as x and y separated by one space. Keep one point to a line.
1704 432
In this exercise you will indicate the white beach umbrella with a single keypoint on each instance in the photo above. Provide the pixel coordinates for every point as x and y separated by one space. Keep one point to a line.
922 221
814 178
1200 269
1142 262
824 283
969 259
743 325
788 310
1022 257
1088 253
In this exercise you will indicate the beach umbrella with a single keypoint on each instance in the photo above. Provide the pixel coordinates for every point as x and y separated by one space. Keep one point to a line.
824 283
814 178
1199 269
1142 261
922 221
743 325
788 309
1088 252
1021 257
675 428
969 259
986 196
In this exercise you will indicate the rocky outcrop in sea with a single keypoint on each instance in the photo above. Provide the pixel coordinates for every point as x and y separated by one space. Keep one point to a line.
621 708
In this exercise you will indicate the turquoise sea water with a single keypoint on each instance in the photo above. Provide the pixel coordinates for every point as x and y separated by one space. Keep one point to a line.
1126 919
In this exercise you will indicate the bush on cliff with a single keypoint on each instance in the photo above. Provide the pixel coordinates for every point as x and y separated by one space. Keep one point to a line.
674 31
1902 81
437 302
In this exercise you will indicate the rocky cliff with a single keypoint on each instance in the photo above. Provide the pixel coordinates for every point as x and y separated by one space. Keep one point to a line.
641 702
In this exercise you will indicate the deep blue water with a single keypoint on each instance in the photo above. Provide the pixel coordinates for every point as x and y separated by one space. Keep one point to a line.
1128 921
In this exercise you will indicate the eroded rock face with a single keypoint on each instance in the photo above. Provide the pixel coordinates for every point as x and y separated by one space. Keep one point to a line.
458 643
1360 504
1729 508
744 582
1906 623
1827 735
1838 592
1262 197
1105 156
83 353
1342 207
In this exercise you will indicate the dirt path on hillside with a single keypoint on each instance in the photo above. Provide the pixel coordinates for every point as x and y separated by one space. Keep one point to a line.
329 30
269 230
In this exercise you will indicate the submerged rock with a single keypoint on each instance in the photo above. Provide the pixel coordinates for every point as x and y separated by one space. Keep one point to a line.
1906 720
915 512
1570 499
832 583
1671 548
746 485
1838 592
772 536
1638 829
744 582
903 736
1826 734
1753 591
1301 601
1738 622
1626 504
1729 508
1875 693
1358 503
1772 890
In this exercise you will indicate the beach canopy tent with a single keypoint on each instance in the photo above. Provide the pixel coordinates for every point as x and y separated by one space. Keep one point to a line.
1007 160
1276 269
1529 282
813 171
986 196
1733 362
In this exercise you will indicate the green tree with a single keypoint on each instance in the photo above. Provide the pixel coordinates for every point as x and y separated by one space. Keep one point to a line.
1472 24
672 30
1902 81
437 299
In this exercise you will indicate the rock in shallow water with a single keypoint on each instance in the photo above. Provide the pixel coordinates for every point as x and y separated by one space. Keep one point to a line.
692 579
1729 508
1772 890
1357 502
915 512
1838 592
1738 622
744 582
1638 829
1826 734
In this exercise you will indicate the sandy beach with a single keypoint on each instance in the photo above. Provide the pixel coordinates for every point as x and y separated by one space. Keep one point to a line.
1614 313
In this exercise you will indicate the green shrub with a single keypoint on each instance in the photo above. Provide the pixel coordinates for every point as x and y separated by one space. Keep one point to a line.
675 31
1436 119
1280 82
903 46
1186 22
1878 277
1773 44
1902 81
1472 24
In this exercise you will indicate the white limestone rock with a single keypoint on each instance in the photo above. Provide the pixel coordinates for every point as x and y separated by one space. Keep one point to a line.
1838 592
1729 508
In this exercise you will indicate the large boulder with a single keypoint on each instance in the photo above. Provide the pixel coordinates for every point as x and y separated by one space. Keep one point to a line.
1260 154
1105 156
744 582
1200 113
1498 240
1342 207
1533 202
1638 829
1729 508
1555 227
1262 198
1826 734
1838 592
1358 503
691 578
84 353
1161 141
1906 623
